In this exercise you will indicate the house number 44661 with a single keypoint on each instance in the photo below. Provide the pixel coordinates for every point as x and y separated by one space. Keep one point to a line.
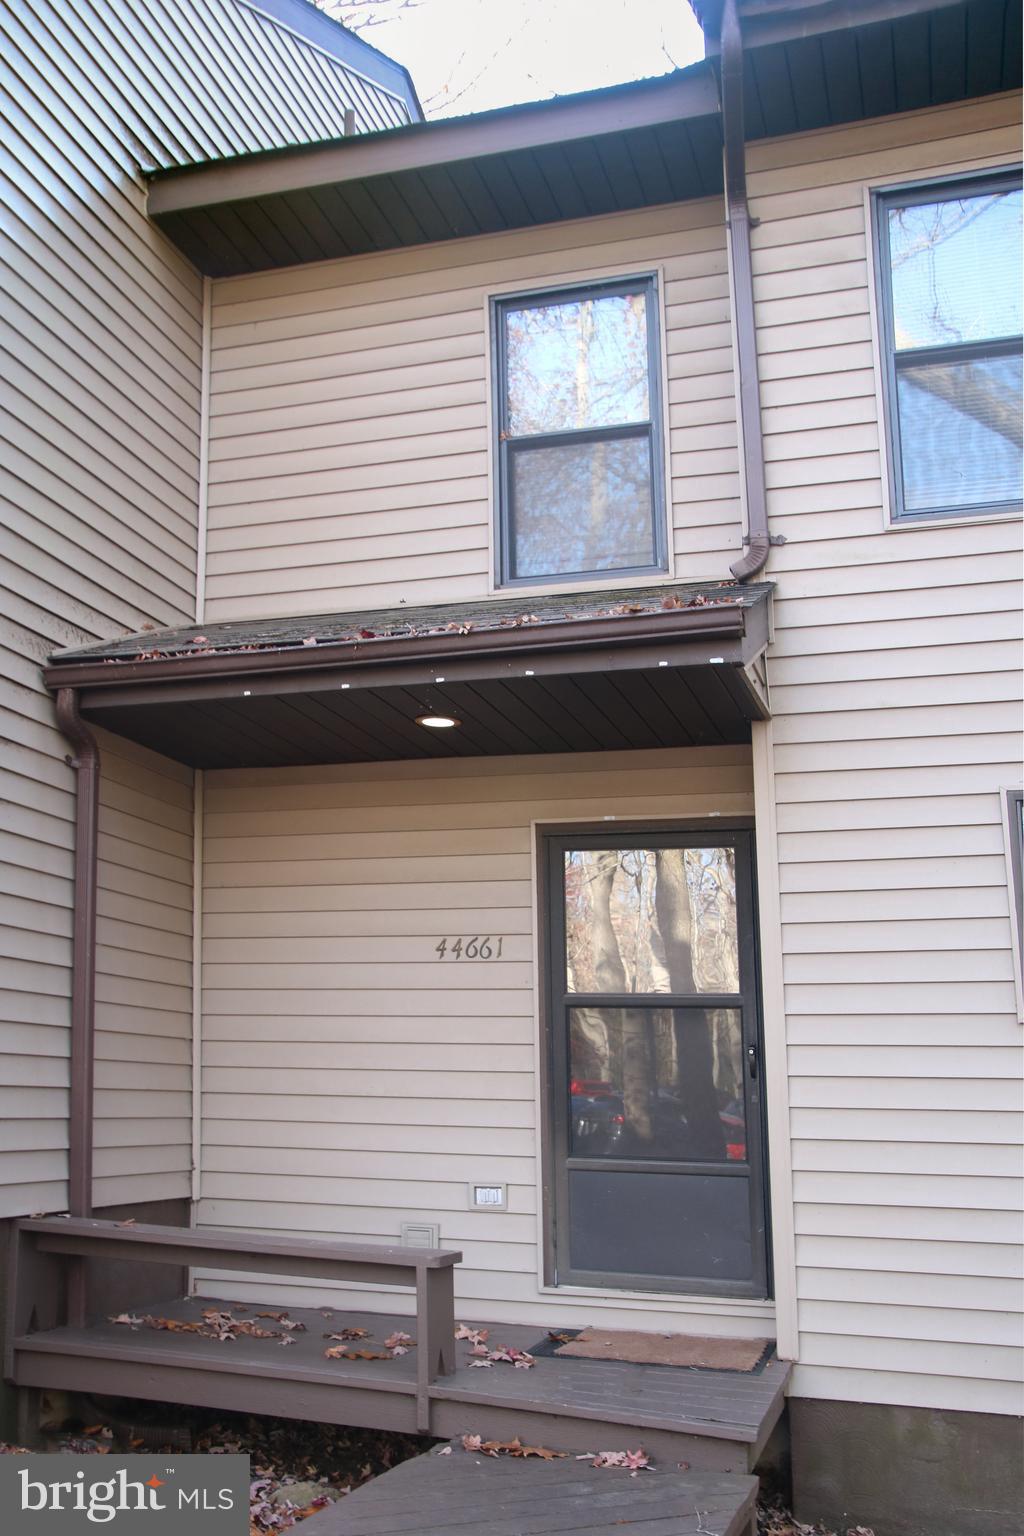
476 948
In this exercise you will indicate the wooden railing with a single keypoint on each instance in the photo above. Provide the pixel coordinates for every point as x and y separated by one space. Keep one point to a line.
43 1248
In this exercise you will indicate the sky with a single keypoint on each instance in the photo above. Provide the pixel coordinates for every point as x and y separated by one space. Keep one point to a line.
471 55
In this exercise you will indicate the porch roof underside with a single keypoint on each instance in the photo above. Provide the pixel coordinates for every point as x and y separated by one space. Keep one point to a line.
593 671
807 67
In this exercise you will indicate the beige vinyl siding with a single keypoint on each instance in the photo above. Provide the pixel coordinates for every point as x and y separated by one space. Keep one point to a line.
351 1080
101 329
895 677
349 412
143 1139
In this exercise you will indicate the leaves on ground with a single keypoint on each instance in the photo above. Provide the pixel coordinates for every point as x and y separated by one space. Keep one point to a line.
475 1443
298 1468
339 1352
774 1519
504 1354
633 1461
215 1324
349 1333
472 1335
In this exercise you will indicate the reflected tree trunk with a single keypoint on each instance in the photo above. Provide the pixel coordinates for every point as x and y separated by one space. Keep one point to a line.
610 976
694 1049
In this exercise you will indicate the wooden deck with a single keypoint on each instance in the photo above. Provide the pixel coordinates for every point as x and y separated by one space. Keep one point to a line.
711 1419
475 1495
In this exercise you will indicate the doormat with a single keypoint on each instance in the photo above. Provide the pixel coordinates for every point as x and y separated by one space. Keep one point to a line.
675 1349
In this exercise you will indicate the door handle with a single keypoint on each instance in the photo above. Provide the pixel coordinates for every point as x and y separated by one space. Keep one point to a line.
752 1060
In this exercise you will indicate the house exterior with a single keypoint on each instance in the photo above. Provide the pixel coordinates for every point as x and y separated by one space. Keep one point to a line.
324 421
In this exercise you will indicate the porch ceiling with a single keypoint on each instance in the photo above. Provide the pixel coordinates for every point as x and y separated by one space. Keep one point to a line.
588 672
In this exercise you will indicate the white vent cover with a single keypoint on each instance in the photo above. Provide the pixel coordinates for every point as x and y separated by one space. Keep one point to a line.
421 1234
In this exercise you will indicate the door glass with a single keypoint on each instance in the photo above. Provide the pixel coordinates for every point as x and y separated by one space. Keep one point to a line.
662 1083
649 920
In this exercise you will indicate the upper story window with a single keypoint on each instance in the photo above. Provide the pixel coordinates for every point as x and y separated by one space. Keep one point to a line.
580 465
950 274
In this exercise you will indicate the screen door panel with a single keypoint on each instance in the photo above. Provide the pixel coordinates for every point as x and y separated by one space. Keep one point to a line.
653 1034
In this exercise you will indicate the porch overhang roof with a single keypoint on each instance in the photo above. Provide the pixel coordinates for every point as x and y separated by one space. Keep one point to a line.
808 64
662 666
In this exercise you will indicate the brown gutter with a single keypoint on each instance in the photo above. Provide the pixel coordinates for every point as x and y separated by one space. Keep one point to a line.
738 224
575 635
86 763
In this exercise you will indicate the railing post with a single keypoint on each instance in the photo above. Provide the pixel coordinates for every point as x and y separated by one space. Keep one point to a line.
435 1334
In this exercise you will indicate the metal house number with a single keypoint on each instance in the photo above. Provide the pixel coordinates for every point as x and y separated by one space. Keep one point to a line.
476 948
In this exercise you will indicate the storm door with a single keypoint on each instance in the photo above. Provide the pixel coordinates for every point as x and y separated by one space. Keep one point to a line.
655 1167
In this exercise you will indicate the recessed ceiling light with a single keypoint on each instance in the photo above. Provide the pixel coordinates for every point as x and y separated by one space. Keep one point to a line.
437 722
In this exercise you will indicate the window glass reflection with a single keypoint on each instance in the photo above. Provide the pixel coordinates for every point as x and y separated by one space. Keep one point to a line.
649 920
664 1083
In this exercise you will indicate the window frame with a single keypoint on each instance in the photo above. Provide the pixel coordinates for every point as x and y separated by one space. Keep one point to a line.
1013 843
653 429
935 189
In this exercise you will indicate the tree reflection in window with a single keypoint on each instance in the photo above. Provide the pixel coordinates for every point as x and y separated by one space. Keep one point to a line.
648 1080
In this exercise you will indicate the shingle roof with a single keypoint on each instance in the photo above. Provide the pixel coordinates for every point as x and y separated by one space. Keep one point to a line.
411 623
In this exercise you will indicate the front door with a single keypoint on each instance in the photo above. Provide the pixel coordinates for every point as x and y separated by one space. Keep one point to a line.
655 1174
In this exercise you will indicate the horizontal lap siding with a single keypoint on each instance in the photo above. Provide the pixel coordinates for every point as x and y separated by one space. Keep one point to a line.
349 429
351 1079
143 977
101 331
895 681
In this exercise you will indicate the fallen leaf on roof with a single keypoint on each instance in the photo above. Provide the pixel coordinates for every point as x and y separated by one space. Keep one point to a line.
349 1333
474 1335
128 1222
445 1450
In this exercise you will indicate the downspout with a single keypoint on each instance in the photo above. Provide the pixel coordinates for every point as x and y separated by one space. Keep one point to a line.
738 225
86 763
198 792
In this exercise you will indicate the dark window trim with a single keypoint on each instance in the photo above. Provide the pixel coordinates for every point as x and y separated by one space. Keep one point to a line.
934 190
539 298
1013 830
551 843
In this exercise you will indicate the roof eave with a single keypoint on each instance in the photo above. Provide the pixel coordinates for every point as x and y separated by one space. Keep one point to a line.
686 94
207 673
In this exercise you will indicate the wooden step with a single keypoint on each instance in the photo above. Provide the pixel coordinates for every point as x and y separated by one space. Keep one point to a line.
462 1493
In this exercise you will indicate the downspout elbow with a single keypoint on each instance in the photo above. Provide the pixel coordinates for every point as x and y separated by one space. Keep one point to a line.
755 559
